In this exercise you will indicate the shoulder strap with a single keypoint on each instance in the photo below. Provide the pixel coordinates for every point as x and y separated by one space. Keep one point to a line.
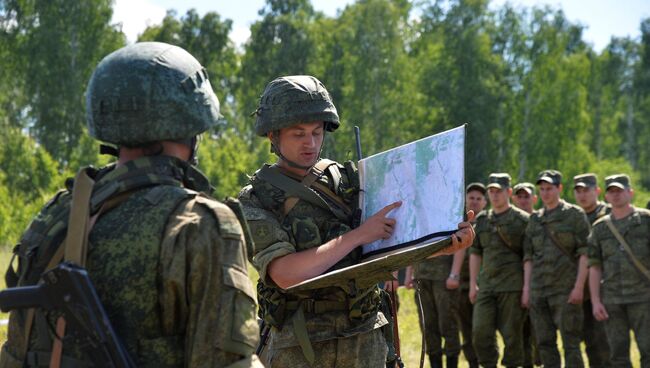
557 243
635 261
502 236
300 190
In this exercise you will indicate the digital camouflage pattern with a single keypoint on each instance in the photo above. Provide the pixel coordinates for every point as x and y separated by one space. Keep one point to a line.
168 264
622 283
595 337
148 92
554 272
295 99
501 268
330 313
499 242
625 292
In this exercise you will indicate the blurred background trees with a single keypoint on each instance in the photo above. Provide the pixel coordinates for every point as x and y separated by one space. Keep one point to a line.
534 93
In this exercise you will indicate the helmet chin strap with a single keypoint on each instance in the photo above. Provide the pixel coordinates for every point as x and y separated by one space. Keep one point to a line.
276 149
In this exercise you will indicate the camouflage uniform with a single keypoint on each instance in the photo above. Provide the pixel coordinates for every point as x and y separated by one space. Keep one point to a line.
553 277
595 337
327 327
465 313
498 303
624 290
440 305
168 263
342 324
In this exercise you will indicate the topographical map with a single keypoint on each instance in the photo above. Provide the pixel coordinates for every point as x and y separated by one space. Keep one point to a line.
427 175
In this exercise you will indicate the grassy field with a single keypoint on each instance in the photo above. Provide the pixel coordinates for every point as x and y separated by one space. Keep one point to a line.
408 323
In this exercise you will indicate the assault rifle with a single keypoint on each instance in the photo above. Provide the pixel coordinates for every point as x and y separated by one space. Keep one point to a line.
67 290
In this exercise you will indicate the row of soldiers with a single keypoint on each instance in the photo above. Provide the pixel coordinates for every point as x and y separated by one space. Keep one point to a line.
580 269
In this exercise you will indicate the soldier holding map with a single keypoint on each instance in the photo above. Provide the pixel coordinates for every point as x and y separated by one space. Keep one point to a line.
297 239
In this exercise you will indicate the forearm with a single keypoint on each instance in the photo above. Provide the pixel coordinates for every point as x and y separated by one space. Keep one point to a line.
581 277
474 267
457 263
595 276
528 270
297 267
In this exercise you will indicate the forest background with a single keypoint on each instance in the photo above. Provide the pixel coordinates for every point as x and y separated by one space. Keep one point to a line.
534 93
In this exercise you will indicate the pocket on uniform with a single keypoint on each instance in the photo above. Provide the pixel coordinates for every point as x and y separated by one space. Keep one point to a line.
306 233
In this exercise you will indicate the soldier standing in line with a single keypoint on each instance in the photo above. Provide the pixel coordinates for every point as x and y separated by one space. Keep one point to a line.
301 215
475 201
619 275
586 191
497 252
555 271
524 197
168 263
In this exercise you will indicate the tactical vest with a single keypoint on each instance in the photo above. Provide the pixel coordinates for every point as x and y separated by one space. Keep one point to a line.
310 223
123 254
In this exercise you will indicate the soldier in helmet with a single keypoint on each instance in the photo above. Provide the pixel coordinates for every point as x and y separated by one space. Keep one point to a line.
300 211
167 261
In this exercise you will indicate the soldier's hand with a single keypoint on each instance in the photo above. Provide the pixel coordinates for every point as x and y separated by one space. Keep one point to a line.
472 295
525 298
378 226
452 284
576 296
462 238
599 311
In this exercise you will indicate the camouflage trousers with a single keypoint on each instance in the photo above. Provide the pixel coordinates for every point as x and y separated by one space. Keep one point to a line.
499 311
595 339
440 305
362 350
464 317
553 313
531 351
622 318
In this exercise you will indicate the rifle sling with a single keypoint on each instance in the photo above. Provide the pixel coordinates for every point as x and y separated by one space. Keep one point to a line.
81 194
635 261
305 189
506 242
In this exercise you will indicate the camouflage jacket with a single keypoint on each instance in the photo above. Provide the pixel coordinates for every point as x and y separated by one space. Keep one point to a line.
499 241
169 265
554 268
622 282
305 226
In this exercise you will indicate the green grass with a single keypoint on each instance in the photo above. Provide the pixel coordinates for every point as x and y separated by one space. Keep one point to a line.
409 327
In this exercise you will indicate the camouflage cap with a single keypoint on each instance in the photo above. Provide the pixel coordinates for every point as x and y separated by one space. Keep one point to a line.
476 186
295 99
528 187
585 181
499 180
550 176
621 181
148 92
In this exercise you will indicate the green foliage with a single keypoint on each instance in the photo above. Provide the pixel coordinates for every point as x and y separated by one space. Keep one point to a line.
534 94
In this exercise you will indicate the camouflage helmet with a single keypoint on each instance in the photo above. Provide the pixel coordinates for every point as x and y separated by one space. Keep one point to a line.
148 92
295 99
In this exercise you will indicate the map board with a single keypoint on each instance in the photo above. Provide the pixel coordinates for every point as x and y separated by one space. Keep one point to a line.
428 176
